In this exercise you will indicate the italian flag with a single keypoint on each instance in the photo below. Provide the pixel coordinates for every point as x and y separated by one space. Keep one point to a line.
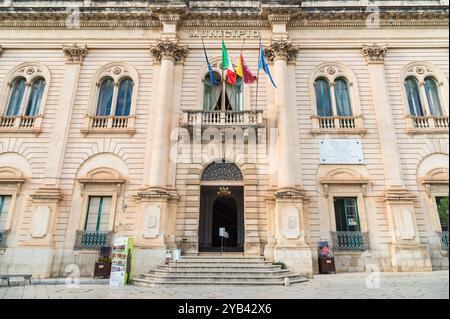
226 65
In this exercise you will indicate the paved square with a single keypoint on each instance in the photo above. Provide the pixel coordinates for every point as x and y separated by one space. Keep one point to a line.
340 286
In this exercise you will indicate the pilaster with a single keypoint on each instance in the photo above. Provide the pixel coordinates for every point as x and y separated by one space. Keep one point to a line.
46 200
407 253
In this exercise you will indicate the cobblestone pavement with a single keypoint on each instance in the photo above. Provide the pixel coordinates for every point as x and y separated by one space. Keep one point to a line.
348 286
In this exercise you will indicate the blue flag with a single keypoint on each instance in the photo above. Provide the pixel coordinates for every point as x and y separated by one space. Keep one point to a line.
263 65
211 72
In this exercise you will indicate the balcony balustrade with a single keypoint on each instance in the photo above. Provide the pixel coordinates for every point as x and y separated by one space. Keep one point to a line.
351 240
337 124
20 123
444 240
92 240
109 124
427 124
222 119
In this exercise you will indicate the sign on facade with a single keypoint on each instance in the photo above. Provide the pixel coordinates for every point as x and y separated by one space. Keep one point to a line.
341 151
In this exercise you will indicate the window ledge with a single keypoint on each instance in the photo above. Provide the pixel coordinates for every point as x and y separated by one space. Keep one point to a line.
416 131
31 131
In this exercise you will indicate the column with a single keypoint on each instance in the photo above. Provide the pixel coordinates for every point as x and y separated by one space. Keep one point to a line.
407 254
288 211
157 201
47 198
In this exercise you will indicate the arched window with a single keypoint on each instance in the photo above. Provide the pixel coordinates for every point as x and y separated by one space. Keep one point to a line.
105 96
212 94
124 97
413 96
426 95
323 97
433 97
35 98
16 97
342 96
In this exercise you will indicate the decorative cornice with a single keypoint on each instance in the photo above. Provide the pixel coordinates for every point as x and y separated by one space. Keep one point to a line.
282 50
374 53
75 54
47 194
398 194
168 50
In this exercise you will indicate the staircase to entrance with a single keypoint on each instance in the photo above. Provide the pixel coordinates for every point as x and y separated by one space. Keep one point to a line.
212 269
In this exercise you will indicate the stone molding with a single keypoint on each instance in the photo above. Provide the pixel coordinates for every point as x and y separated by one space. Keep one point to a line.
284 50
168 50
398 194
44 194
75 54
374 53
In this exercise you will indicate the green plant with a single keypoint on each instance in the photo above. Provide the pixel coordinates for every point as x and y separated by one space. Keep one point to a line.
279 263
104 260
443 210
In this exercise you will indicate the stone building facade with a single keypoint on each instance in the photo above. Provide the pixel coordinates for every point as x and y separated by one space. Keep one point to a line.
109 126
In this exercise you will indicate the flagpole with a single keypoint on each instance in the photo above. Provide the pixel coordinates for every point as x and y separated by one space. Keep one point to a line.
257 74
223 82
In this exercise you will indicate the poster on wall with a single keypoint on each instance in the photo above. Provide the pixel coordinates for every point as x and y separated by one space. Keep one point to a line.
121 261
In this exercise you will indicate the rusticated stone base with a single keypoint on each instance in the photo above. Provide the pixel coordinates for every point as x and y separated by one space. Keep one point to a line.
298 260
416 258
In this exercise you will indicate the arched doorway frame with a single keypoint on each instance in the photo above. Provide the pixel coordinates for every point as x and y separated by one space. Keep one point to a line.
252 238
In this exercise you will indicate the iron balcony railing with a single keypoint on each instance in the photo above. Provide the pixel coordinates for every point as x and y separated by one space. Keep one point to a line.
3 235
444 240
350 240
92 240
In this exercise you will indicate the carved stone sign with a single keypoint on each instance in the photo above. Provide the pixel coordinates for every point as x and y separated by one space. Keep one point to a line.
341 151
291 227
239 34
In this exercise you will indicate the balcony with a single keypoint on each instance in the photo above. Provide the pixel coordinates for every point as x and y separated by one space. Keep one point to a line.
3 235
427 124
92 240
350 240
444 240
337 125
108 124
243 119
20 124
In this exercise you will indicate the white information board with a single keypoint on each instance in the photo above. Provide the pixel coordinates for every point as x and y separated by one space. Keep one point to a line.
341 151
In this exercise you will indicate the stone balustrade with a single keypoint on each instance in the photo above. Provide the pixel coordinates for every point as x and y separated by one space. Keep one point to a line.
109 124
428 123
222 119
20 121
337 124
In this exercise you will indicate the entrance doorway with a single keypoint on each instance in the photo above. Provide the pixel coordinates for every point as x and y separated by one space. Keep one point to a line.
221 210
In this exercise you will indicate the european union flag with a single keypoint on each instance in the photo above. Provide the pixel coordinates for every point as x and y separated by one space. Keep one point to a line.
211 72
263 64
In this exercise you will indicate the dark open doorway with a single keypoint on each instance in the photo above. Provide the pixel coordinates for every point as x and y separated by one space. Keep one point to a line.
221 211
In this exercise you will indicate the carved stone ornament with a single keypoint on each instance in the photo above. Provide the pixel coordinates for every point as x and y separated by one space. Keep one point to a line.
282 50
168 50
75 54
374 53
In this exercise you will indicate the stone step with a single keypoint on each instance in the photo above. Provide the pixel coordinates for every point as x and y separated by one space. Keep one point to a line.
223 264
214 263
220 278
221 260
156 283
214 272
221 267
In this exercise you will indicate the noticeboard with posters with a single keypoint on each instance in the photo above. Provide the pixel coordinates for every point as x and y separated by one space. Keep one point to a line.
121 261
324 248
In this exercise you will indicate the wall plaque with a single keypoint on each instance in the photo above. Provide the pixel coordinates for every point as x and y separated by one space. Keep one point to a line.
340 151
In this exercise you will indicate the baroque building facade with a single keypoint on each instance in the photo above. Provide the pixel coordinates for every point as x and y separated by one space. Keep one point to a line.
110 126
